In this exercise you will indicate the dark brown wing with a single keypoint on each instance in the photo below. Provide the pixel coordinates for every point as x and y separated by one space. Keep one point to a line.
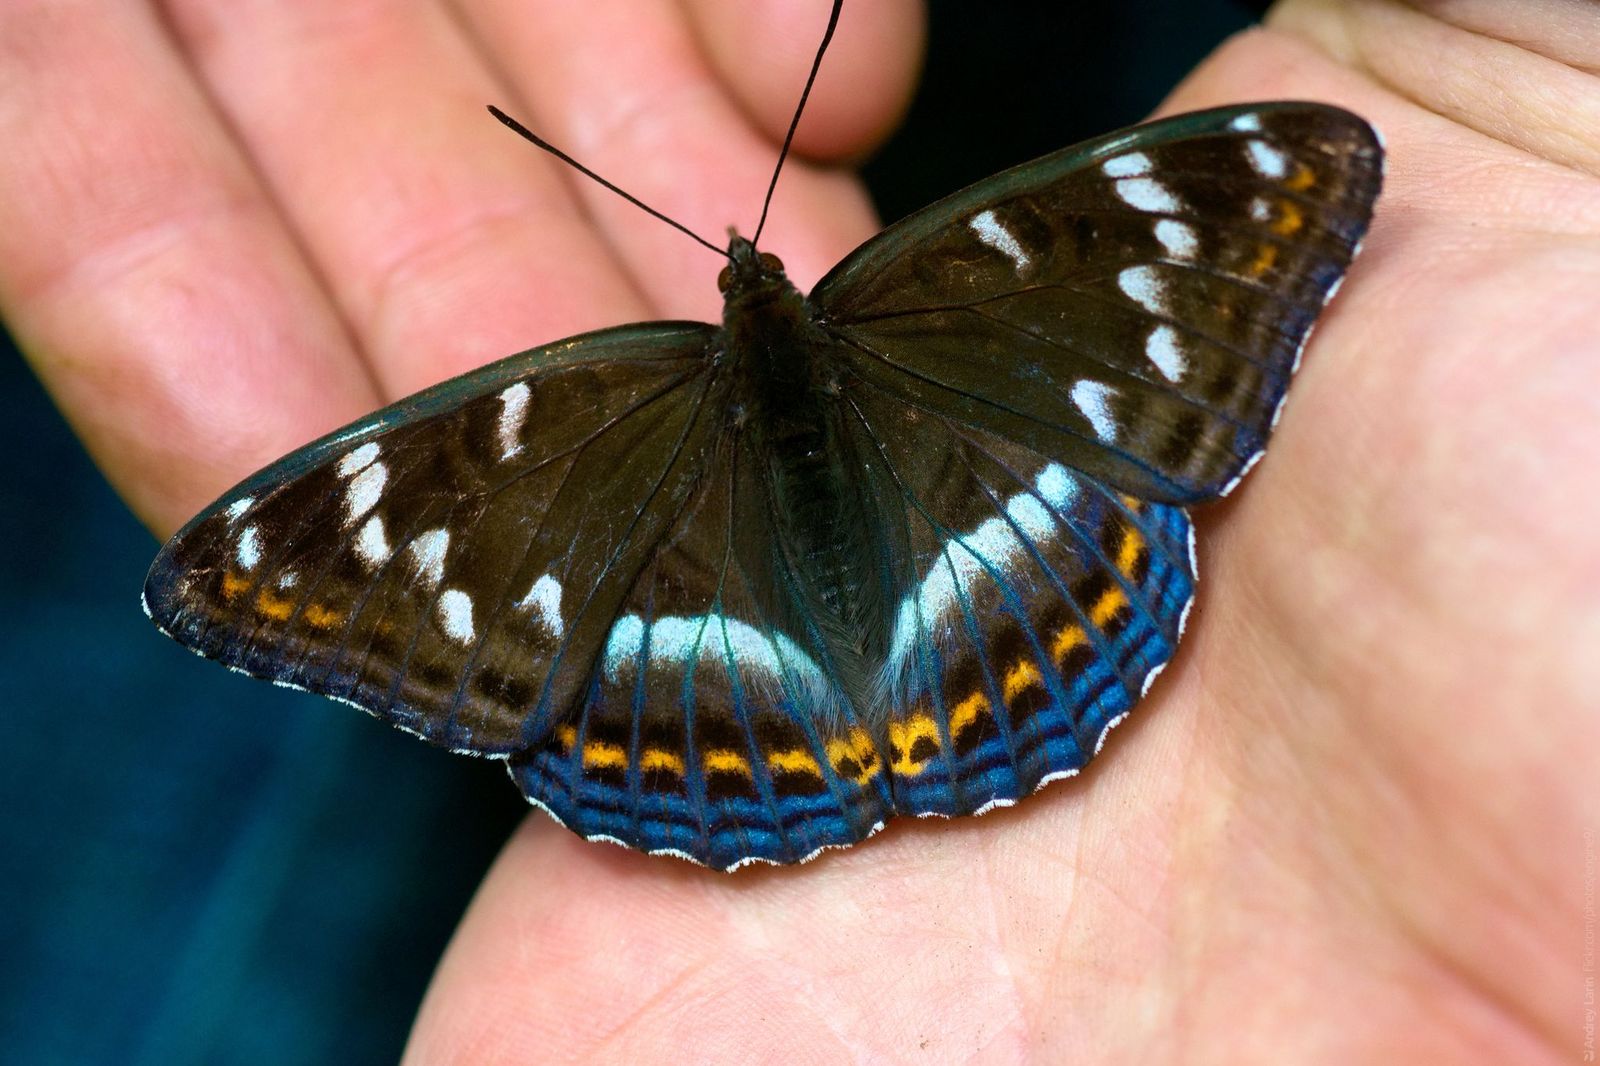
454 563
1133 306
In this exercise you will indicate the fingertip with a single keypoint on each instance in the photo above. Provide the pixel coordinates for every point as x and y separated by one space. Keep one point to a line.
762 50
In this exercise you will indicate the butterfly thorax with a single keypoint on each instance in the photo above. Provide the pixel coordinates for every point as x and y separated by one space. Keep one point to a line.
772 340
787 391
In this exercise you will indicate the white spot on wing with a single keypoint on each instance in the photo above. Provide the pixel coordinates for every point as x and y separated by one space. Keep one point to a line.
372 543
1126 166
249 548
237 508
544 599
1148 194
1144 287
773 660
623 643
364 490
1268 161
1250 123
427 554
359 459
1178 238
1031 516
1260 210
954 573
513 413
991 232
1094 400
1165 350
995 544
1058 487
288 579
455 615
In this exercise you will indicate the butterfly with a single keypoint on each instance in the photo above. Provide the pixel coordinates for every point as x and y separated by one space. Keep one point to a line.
910 544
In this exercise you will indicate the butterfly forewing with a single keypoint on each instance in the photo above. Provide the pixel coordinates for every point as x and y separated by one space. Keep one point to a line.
1133 306
438 561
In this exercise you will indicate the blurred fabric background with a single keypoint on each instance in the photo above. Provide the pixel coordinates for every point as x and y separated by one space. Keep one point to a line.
197 868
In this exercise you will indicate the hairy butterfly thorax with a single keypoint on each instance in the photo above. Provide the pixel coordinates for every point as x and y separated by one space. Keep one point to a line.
910 544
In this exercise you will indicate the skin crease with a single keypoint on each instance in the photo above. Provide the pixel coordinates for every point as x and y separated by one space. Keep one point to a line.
1348 825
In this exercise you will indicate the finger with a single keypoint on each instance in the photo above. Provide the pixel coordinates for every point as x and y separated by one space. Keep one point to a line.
447 241
762 51
623 86
1480 62
143 270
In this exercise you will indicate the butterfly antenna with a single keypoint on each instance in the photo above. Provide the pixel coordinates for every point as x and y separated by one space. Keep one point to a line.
525 132
794 124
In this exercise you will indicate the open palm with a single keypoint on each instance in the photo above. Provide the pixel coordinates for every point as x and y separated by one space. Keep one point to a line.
1348 824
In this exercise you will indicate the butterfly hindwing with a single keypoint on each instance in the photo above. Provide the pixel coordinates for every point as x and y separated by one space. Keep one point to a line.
436 562
714 728
1133 306
1036 605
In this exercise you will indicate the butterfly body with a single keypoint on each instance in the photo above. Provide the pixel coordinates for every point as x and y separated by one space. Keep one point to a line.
908 545
788 384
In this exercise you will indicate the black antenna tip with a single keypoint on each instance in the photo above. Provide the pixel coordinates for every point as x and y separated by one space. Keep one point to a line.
507 120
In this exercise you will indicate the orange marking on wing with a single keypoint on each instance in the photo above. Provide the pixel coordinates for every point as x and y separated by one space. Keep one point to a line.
859 749
967 711
794 761
1264 260
903 736
724 761
233 584
1109 604
1290 220
1303 179
599 753
566 736
1069 637
320 617
1128 557
661 759
1021 676
277 608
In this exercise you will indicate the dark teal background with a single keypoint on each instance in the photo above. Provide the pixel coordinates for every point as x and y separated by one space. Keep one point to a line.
196 868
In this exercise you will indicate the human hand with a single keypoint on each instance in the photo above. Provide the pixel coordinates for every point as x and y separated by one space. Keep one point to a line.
228 232
1346 823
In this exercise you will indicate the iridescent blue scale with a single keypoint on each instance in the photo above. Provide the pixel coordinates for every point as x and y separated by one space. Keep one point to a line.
910 545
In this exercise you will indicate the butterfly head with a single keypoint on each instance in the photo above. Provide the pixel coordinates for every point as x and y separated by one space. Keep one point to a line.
751 276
